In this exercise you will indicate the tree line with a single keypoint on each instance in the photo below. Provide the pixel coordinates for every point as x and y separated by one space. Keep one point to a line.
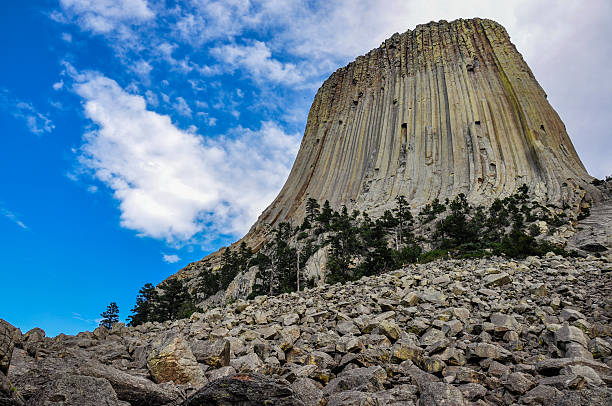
361 246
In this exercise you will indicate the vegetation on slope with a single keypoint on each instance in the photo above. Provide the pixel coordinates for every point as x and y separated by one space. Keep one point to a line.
360 246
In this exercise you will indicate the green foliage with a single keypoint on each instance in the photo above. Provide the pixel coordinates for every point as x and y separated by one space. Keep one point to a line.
173 301
431 210
584 213
110 316
359 246
144 308
170 301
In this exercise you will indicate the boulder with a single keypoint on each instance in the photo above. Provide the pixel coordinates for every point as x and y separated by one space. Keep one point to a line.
6 345
360 379
214 353
8 393
245 389
73 390
137 391
171 360
441 394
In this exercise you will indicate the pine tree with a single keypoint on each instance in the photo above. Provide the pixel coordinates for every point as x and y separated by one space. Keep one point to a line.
174 301
326 215
143 310
110 316
312 210
404 218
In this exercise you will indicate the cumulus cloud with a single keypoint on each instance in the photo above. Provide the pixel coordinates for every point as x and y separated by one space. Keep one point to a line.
171 259
36 122
256 59
173 184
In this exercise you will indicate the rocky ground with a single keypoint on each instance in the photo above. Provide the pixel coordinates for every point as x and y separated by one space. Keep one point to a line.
468 332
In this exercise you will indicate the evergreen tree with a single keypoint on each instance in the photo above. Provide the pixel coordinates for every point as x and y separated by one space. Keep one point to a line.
110 316
174 302
229 267
209 283
312 210
326 215
143 310
404 218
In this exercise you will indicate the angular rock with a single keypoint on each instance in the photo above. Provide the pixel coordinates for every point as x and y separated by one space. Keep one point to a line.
245 389
308 391
520 382
441 394
498 279
6 345
360 379
171 360
76 390
215 353
135 390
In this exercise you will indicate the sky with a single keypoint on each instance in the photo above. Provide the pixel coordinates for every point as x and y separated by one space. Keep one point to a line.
137 136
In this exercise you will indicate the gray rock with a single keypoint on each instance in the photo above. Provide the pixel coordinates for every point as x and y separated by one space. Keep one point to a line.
441 394
171 360
6 345
498 279
570 334
520 382
8 393
76 390
541 395
354 398
220 373
308 391
247 363
214 353
135 390
590 397
360 379
245 389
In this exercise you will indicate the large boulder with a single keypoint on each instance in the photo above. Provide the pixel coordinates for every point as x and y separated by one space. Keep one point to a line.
135 390
245 390
215 353
171 360
8 393
6 345
77 390
441 394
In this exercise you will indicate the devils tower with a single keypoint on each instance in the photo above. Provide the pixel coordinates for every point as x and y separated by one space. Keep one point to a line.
446 108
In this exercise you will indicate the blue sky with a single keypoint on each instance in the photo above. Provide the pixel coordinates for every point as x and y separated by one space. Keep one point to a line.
138 136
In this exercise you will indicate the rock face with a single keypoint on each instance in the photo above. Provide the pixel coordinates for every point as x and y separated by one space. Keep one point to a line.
446 108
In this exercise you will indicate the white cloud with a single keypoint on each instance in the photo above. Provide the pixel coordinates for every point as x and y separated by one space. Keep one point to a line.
256 59
104 16
142 68
58 85
171 259
36 122
182 107
172 184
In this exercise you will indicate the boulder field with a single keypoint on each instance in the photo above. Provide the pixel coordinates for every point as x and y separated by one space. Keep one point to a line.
454 332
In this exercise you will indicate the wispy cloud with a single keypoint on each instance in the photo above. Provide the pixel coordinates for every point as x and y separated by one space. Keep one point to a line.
105 16
173 184
171 259
11 216
36 122
93 322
